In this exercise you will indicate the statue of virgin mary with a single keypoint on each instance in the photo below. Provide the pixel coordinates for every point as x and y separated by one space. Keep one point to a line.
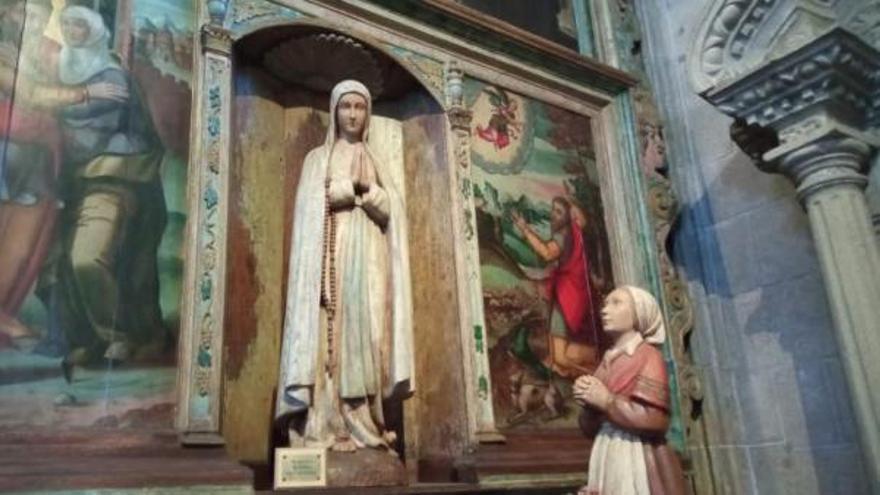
347 341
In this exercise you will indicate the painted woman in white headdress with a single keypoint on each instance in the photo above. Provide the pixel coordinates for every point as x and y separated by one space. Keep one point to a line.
31 150
105 280
348 322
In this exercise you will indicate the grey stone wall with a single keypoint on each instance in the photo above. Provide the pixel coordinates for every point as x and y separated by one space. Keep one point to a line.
776 400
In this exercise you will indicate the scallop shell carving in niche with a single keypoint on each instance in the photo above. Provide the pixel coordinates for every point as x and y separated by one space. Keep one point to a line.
319 61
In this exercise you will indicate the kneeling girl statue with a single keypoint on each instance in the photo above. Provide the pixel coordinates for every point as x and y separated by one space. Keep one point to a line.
627 400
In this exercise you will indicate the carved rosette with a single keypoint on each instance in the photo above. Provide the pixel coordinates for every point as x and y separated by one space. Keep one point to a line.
202 324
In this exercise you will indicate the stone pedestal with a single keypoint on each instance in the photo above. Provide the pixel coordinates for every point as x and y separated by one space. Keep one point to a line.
365 467
318 469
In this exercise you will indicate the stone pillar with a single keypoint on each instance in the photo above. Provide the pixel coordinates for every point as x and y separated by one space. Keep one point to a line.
811 116
830 186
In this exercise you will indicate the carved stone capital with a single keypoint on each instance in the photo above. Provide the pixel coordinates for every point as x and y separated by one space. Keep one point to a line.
217 40
837 75
821 100
832 161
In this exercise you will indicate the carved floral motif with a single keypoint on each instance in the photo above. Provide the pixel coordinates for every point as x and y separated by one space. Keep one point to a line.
663 206
431 71
460 120
246 11
210 232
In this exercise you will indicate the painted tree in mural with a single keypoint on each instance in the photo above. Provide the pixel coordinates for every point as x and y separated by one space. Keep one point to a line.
94 117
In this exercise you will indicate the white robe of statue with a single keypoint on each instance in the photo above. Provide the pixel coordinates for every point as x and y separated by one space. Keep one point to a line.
348 322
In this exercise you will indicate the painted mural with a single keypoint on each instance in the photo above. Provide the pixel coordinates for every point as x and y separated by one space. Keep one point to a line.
544 255
94 121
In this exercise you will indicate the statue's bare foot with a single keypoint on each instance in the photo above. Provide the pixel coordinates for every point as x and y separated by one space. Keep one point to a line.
390 437
344 445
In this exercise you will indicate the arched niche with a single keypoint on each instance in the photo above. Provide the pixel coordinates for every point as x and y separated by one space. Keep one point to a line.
277 115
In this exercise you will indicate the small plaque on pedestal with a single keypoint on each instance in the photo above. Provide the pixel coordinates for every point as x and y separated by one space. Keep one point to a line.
298 467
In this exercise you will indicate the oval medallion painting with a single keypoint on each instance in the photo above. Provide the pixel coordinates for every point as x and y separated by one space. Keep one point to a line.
502 131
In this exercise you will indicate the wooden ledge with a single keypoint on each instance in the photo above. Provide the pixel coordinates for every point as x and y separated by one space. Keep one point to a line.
97 459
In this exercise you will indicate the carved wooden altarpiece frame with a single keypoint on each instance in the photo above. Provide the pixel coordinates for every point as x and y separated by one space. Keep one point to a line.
638 213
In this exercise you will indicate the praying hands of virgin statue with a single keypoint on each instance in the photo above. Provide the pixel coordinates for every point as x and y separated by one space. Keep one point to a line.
627 400
348 318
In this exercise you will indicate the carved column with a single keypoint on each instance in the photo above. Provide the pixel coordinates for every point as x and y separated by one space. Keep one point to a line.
202 308
830 182
475 347
812 115
873 193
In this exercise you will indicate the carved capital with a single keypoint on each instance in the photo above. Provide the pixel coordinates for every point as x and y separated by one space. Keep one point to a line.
834 160
837 75
824 92
216 40
460 119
